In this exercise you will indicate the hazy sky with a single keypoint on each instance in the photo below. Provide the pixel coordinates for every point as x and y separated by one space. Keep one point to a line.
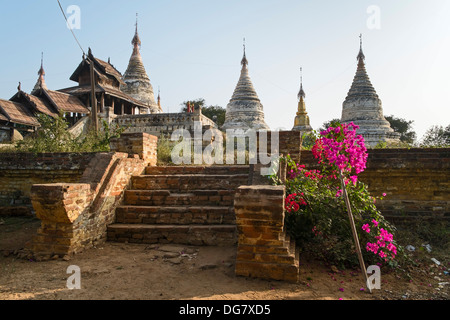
193 48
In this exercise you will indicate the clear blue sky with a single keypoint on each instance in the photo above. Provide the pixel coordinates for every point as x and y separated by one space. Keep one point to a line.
192 49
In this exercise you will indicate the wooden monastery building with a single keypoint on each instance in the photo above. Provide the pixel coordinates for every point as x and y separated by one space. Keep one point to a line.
128 94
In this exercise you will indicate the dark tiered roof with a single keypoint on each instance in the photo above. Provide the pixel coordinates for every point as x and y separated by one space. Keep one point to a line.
17 113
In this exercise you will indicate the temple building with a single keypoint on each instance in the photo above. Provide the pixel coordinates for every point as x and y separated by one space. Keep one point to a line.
127 100
136 81
18 115
244 111
107 83
301 121
363 107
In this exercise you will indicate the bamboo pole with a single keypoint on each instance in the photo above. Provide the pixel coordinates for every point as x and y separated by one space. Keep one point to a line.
355 235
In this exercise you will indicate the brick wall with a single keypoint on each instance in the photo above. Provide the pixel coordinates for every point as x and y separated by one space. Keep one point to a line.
289 142
264 251
163 123
75 215
19 171
416 181
76 210
142 144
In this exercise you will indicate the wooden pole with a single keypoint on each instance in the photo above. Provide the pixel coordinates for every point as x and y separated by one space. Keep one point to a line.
355 235
93 98
102 103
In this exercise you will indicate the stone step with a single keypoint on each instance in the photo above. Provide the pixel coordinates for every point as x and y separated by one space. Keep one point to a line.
186 182
218 169
198 235
170 198
175 215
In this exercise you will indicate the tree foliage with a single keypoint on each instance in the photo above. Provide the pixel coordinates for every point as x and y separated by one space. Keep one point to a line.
330 123
197 103
436 136
215 113
404 127
54 136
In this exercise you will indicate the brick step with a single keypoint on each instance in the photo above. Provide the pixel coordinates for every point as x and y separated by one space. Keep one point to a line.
185 182
266 258
199 235
175 215
293 249
268 270
169 198
218 169
270 250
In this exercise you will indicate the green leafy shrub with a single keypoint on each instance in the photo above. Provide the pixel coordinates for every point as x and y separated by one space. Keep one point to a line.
54 136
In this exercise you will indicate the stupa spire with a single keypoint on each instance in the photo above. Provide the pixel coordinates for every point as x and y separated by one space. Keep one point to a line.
361 57
301 93
363 107
159 98
301 122
137 81
244 60
40 84
244 111
136 41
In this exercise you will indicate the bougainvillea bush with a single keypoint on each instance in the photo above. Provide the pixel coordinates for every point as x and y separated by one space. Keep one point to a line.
316 213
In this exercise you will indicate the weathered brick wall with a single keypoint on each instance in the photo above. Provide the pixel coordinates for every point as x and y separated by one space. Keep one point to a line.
159 124
75 215
76 210
289 142
264 251
19 171
142 144
416 181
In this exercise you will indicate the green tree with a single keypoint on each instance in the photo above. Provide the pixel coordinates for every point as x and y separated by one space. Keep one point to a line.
53 136
197 103
330 123
404 127
436 136
215 113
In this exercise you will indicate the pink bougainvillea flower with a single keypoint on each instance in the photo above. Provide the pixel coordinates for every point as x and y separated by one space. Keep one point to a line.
366 228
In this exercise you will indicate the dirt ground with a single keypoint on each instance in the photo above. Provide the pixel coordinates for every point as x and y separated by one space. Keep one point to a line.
115 271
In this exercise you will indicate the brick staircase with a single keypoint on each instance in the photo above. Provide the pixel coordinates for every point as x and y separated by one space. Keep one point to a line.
191 205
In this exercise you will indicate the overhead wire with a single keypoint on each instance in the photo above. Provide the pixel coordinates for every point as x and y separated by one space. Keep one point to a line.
70 28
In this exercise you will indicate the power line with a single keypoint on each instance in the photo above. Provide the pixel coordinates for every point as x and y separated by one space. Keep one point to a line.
91 63
70 28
